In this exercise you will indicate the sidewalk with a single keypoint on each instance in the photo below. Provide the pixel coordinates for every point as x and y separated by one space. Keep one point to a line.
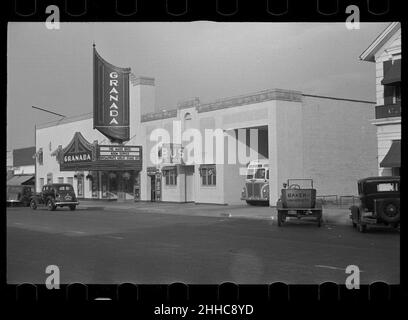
331 214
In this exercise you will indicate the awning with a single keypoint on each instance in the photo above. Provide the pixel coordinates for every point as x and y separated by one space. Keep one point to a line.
20 179
393 74
166 168
393 157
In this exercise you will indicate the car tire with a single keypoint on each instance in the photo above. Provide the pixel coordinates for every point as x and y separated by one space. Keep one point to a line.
50 205
354 224
33 205
251 203
72 207
389 211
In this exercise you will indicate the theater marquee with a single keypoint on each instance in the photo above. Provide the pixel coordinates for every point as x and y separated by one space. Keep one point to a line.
79 155
119 153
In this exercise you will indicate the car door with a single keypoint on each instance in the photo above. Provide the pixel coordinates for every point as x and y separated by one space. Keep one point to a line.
44 194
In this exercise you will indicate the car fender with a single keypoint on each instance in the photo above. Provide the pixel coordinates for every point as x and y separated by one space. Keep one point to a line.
37 199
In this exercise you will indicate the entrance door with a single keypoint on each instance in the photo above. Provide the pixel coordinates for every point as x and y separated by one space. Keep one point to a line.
80 186
153 188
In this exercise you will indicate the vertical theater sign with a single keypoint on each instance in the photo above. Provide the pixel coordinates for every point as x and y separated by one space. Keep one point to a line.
111 99
113 168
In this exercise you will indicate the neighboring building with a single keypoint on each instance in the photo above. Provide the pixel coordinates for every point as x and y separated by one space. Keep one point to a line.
23 167
385 52
304 136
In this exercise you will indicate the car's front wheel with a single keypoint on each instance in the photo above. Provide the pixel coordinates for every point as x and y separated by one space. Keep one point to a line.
72 207
33 204
50 205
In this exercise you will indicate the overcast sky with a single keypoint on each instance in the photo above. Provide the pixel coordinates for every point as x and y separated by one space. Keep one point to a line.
52 69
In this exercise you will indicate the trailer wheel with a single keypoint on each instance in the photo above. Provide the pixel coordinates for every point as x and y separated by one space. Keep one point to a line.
362 228
319 218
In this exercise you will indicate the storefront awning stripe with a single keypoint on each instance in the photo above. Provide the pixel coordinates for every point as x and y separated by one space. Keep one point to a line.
393 157
20 179
393 74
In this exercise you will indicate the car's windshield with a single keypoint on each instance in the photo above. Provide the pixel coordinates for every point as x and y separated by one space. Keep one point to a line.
260 174
64 188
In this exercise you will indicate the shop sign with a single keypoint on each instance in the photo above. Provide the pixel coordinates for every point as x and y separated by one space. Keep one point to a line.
77 157
171 153
111 99
151 171
78 151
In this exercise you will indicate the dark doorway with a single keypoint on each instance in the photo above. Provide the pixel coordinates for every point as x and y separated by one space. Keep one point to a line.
153 188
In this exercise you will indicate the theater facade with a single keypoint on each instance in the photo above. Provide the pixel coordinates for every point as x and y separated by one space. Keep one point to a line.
128 149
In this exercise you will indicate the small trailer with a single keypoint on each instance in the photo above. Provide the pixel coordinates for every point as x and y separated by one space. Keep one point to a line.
298 199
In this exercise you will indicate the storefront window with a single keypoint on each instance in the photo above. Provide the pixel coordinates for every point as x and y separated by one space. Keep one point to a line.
60 179
208 176
170 177
128 181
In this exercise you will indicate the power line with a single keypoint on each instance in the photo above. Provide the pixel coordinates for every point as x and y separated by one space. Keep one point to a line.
57 114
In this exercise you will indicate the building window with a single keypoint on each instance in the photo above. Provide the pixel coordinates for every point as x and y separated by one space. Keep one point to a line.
397 94
49 178
170 177
208 175
60 179
70 180
41 183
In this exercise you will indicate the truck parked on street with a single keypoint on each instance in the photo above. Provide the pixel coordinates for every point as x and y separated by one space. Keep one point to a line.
256 189
298 199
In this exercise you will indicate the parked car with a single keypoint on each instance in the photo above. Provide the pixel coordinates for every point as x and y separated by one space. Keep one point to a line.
19 195
379 203
298 199
55 195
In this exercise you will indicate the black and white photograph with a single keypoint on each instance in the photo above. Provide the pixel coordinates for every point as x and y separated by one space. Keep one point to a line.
203 152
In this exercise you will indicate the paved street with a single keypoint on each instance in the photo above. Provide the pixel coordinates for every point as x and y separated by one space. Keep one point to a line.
166 243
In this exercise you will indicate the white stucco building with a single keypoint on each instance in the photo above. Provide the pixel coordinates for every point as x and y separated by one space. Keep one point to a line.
328 139
385 53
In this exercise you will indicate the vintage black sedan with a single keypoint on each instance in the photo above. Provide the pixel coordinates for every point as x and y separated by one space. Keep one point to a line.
379 203
19 195
55 195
